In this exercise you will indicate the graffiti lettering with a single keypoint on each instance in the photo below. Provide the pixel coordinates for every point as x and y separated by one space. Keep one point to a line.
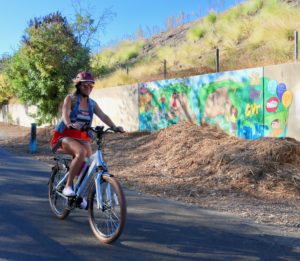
255 132
252 109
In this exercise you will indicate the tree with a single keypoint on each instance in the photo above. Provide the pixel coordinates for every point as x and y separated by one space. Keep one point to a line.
40 72
5 91
3 61
87 27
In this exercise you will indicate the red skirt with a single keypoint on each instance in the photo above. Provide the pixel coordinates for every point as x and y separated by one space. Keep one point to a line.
75 134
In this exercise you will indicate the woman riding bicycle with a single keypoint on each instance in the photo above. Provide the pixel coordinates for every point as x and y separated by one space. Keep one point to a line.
69 135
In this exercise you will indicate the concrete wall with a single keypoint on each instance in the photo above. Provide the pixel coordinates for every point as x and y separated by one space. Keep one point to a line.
17 113
250 103
252 92
288 75
120 104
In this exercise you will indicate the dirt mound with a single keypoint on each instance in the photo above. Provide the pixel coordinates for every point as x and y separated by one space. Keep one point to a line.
189 161
43 135
186 161
197 164
11 131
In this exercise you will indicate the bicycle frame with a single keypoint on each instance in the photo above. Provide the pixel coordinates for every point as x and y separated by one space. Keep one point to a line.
97 165
94 185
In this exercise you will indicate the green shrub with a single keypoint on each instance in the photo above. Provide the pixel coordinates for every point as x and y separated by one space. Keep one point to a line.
196 32
212 17
128 50
110 59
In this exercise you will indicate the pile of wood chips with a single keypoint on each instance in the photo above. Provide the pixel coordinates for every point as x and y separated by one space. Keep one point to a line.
190 162
187 162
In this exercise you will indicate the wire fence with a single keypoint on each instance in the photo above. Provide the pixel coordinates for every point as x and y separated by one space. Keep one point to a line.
217 60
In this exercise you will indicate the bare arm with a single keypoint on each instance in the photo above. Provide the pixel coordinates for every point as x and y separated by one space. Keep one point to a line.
66 110
103 117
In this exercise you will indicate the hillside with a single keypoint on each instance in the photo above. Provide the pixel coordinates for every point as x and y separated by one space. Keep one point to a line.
256 33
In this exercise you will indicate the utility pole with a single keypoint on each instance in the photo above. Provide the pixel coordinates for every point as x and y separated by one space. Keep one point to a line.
165 68
296 46
217 60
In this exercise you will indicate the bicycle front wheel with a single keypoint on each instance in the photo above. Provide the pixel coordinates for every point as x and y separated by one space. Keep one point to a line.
107 222
58 203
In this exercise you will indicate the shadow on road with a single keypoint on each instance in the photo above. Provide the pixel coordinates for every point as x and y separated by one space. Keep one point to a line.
156 229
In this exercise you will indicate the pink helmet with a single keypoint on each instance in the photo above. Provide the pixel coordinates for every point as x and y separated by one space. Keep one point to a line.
83 77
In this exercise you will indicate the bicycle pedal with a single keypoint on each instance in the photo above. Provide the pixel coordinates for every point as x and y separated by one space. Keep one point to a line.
78 202
71 202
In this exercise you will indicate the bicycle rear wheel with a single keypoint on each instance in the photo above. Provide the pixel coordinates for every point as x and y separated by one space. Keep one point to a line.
57 202
107 223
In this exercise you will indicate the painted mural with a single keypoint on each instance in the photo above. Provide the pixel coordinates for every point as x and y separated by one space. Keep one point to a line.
243 103
165 103
234 102
278 100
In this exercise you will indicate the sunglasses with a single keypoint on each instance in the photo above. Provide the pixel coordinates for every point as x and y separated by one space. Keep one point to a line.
87 85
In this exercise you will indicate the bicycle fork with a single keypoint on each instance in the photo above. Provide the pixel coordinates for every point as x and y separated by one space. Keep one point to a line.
100 191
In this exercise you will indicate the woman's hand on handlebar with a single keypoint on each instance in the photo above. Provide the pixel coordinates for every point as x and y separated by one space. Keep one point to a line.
118 129
76 126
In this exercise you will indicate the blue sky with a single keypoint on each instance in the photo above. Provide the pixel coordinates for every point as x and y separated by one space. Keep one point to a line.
130 14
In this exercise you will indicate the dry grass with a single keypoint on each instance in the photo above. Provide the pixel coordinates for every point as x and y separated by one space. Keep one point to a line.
256 33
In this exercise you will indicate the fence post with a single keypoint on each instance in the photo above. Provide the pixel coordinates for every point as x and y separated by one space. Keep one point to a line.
217 60
296 46
32 144
165 68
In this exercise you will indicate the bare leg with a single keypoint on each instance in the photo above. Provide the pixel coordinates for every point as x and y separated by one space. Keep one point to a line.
88 148
79 152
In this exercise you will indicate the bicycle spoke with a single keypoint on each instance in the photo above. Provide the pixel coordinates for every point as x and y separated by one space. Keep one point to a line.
114 224
58 203
108 219
107 223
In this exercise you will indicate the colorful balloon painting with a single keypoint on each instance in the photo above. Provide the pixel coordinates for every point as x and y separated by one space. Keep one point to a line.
272 104
287 99
281 88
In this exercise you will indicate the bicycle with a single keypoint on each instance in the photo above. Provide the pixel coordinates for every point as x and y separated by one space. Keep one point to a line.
105 197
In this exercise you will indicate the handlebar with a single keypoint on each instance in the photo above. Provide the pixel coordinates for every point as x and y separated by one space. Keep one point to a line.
99 130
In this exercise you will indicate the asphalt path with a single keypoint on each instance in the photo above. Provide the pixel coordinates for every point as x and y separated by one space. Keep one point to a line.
156 229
